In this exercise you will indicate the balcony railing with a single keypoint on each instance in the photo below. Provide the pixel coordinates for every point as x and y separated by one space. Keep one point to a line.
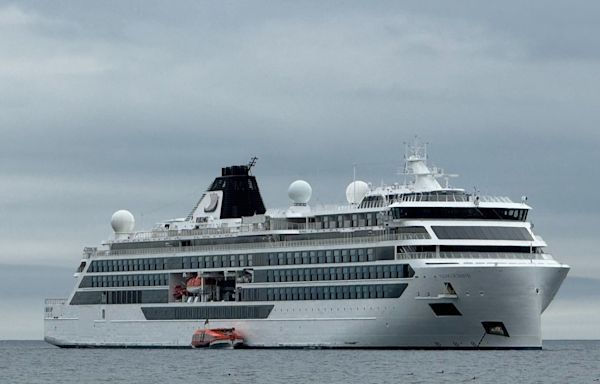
472 255
244 247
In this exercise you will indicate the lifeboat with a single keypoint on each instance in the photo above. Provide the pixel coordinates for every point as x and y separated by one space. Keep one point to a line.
194 285
227 338
178 292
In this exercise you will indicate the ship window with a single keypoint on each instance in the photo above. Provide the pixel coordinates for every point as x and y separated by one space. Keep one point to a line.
353 273
370 254
353 290
312 294
358 292
345 256
320 274
329 256
313 257
347 221
319 293
305 258
372 292
361 254
386 272
303 292
339 292
482 233
339 274
297 258
336 256
372 272
353 255
320 257
346 292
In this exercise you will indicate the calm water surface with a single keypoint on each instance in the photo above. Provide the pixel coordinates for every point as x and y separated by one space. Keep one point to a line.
38 362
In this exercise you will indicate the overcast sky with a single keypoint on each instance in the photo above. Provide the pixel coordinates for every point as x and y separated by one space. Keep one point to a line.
137 104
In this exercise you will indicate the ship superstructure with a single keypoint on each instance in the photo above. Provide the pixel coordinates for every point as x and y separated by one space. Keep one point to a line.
411 265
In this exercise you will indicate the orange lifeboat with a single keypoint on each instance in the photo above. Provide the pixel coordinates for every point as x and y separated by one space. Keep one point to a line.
217 338
194 285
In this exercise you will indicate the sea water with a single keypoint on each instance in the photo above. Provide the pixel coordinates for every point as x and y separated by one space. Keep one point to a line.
38 362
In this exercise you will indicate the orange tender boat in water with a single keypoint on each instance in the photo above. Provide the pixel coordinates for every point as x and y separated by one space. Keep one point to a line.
217 338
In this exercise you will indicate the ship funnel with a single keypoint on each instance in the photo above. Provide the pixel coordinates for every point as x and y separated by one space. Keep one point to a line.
232 195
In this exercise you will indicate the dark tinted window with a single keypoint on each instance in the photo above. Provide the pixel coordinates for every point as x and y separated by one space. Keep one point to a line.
482 233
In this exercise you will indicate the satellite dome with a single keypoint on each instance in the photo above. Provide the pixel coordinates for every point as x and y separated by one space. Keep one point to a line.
355 191
300 192
122 221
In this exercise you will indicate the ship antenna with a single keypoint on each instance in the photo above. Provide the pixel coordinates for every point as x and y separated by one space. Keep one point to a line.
252 163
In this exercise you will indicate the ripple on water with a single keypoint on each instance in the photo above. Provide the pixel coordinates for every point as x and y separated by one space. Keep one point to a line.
38 362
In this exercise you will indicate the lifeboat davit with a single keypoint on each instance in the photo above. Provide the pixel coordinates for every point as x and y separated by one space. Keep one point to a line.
217 338
194 285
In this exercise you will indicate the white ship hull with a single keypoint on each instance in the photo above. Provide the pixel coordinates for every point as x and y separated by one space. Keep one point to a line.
514 292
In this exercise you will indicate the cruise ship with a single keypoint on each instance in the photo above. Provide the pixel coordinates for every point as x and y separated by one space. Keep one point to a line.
416 264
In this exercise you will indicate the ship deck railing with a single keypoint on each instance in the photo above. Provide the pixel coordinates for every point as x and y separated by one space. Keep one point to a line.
472 255
274 224
244 247
55 301
450 198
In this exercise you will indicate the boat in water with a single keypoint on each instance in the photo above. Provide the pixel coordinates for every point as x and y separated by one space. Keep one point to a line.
418 264
217 338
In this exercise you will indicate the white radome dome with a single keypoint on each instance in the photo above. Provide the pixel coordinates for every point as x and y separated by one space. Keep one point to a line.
300 192
355 191
122 221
